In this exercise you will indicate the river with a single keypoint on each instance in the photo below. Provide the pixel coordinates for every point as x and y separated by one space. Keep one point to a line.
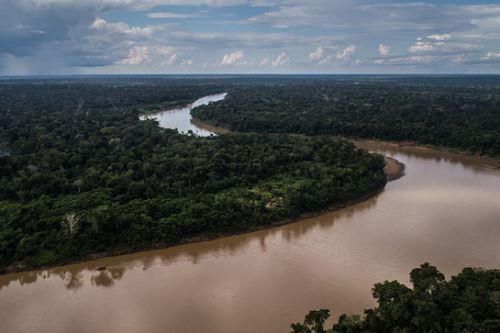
445 210
180 118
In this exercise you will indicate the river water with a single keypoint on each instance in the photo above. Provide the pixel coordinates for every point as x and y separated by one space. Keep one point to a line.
180 118
445 210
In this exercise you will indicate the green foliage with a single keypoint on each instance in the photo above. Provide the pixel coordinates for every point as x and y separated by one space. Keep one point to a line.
80 173
457 112
313 323
469 302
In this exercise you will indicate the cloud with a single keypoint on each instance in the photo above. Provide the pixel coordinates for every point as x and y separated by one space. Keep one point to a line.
121 28
325 55
317 54
346 53
491 56
147 4
172 60
372 19
232 58
281 60
439 37
168 55
54 36
433 45
136 56
434 61
170 15
383 49
26 28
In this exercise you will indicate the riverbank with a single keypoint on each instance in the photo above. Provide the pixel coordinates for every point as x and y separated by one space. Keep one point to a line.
454 155
405 146
207 127
17 268
394 169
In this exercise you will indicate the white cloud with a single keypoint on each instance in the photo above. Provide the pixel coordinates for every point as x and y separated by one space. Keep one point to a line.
72 33
439 37
325 55
316 54
232 58
422 46
98 23
281 60
147 4
326 60
136 56
442 44
264 62
383 49
431 60
378 16
164 50
172 60
346 52
491 55
170 15
121 28
187 62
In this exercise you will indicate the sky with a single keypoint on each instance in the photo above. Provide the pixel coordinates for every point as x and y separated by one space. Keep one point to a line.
58 37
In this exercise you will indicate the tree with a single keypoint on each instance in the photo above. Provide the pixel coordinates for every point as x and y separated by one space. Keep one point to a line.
71 224
469 302
313 322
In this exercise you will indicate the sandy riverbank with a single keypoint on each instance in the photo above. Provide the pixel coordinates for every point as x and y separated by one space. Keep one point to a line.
393 168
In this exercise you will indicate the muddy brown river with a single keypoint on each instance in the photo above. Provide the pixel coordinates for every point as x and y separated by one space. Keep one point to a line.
445 210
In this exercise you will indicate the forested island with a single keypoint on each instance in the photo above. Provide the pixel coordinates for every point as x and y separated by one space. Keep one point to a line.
468 302
452 112
81 174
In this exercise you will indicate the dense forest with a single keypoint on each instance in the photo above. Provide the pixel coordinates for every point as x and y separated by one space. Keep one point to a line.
80 173
469 302
456 112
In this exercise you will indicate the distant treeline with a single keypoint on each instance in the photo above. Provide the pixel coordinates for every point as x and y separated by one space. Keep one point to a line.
456 112
79 173
468 303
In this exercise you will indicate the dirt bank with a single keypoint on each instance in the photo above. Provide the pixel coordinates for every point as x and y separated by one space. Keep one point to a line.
393 168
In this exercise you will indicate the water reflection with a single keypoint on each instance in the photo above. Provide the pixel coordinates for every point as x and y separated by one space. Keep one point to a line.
73 276
107 277
180 118
73 280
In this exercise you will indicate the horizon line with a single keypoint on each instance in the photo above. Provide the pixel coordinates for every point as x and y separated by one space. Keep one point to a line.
246 74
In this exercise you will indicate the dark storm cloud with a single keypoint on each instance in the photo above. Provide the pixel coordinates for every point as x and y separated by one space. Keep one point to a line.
25 26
